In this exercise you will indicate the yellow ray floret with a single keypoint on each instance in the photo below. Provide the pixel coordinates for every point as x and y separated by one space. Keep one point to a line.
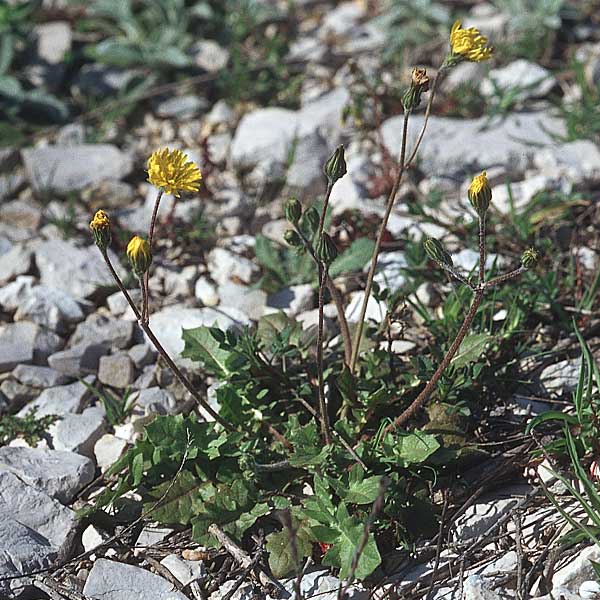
469 43
100 221
172 171
139 254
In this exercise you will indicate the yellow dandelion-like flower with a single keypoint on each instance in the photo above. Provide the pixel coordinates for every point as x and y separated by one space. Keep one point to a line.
139 255
172 171
469 43
480 193
100 226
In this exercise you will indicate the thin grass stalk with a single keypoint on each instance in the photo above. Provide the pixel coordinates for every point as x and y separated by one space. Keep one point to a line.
163 353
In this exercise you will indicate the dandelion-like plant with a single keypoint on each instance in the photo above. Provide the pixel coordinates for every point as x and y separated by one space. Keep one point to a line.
173 172
468 44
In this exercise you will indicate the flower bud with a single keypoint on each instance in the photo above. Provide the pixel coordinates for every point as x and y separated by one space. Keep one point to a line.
292 238
530 258
293 211
326 249
480 194
100 226
419 84
310 221
335 167
436 251
139 255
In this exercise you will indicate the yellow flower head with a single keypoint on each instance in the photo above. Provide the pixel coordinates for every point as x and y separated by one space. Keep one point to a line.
139 255
480 193
172 171
469 43
100 226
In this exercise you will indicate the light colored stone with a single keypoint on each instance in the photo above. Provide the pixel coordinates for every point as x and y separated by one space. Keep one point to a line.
522 192
531 79
181 107
561 377
25 343
77 271
225 265
578 161
78 360
305 175
186 571
116 370
52 308
206 292
376 311
209 55
111 580
292 300
153 401
142 355
92 537
78 433
249 301
102 329
511 142
481 516
41 377
15 293
60 400
576 570
69 168
467 260
108 449
17 261
59 474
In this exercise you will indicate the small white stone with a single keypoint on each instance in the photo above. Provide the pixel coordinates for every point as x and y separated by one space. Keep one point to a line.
92 538
376 311
206 292
184 570
108 449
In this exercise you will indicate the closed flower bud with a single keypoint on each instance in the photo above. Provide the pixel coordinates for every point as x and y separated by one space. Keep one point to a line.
335 167
293 211
436 251
480 194
419 84
139 255
292 238
530 258
100 226
310 221
326 249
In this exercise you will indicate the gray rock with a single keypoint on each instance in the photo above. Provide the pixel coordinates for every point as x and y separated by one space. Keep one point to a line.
78 360
59 474
101 80
60 400
321 584
52 41
390 270
15 293
79 271
343 19
532 80
25 343
181 107
119 307
263 136
68 168
185 571
561 377
220 114
78 433
305 175
72 134
224 265
17 261
249 301
209 55
34 528
573 572
579 161
481 516
178 283
52 308
19 219
110 580
324 116
292 300
522 192
475 587
153 401
219 145
206 292
376 311
168 323
41 377
116 370
10 183
468 259
142 355
146 379
107 450
511 142
15 394
102 329
589 590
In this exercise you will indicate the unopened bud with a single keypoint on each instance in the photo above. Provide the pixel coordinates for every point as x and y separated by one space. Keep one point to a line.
139 255
293 211
292 238
480 194
436 251
419 84
530 258
100 226
335 167
310 221
326 249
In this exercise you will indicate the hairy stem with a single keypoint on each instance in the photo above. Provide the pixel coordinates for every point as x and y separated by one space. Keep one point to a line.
420 400
163 353
388 209
145 286
323 271
481 249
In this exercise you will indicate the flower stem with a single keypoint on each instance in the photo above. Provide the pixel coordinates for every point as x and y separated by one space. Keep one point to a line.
481 249
163 353
145 286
